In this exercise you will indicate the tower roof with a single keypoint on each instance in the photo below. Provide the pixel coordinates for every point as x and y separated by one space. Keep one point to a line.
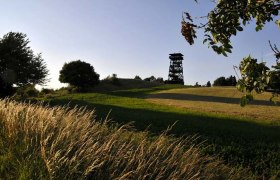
176 54
176 57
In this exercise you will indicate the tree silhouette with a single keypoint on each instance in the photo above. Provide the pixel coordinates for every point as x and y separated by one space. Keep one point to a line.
79 73
18 64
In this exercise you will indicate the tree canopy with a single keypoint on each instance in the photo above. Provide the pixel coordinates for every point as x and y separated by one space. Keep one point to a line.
208 84
226 20
79 73
19 65
222 81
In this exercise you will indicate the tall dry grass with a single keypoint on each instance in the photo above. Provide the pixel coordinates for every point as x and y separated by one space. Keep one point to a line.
60 143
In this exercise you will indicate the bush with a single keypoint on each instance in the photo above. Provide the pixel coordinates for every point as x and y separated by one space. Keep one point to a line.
47 91
25 92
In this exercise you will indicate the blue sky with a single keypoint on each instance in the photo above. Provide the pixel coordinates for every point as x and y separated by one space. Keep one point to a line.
126 37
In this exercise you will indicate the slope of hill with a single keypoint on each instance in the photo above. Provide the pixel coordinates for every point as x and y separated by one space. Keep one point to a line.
125 84
240 140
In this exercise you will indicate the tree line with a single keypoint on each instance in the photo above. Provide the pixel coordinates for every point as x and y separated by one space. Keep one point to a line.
20 66
21 69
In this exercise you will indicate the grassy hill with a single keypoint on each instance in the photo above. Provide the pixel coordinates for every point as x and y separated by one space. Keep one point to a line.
124 84
242 137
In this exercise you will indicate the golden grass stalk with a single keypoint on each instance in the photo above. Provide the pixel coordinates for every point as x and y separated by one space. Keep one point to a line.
63 143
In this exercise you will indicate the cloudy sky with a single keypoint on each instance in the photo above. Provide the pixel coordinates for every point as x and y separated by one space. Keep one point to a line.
126 37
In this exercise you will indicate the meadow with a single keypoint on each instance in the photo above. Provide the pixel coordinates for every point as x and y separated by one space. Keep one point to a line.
39 142
242 137
157 132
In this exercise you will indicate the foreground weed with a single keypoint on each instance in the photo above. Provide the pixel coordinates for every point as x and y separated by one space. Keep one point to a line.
62 143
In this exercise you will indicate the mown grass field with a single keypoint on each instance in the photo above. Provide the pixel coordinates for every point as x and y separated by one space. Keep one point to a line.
242 137
220 100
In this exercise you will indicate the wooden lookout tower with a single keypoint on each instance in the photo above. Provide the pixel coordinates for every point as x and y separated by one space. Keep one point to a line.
175 75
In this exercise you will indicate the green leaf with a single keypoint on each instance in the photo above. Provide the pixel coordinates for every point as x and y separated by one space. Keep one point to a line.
215 48
228 46
224 53
259 27
239 28
275 12
228 50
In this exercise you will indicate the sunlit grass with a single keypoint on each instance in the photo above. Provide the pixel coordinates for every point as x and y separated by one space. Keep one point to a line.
220 100
61 143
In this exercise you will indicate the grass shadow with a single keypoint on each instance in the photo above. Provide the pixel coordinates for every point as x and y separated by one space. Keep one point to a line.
193 97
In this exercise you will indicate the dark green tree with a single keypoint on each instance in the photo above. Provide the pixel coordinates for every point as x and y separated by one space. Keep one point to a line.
274 84
231 81
208 84
197 85
150 79
19 66
137 77
220 81
159 80
78 73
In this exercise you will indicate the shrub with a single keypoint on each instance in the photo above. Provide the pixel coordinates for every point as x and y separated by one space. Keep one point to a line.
47 91
25 92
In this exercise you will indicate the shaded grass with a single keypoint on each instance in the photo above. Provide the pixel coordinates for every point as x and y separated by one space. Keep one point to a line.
242 142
